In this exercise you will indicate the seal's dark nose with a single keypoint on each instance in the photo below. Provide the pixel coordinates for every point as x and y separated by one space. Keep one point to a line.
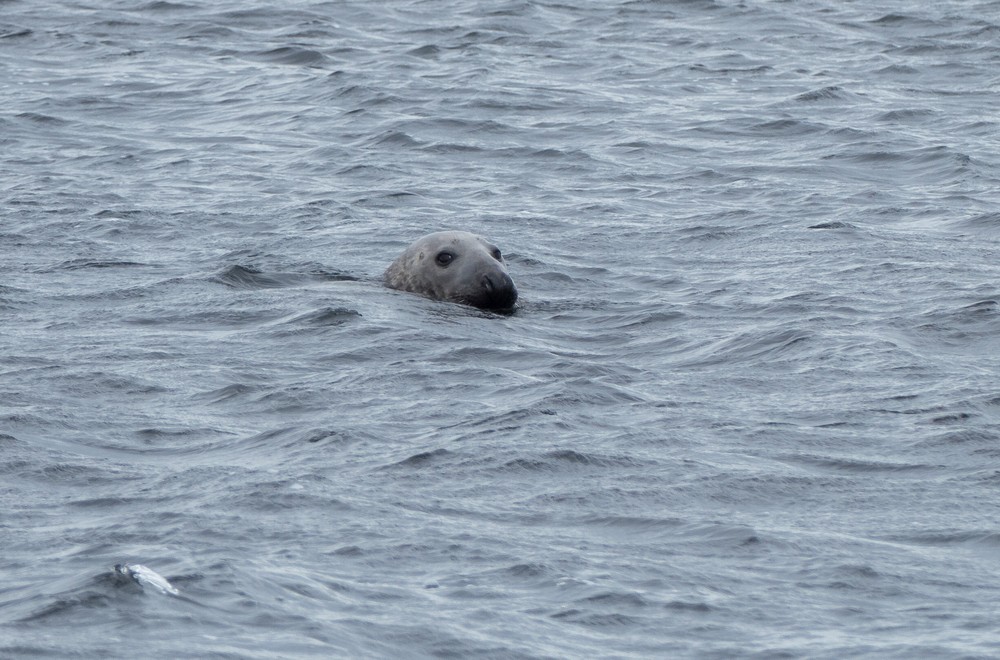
498 291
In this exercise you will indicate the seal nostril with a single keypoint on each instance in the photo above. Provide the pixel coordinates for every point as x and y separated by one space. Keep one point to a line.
488 284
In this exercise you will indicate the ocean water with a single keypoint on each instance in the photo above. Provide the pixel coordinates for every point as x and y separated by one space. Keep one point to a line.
748 404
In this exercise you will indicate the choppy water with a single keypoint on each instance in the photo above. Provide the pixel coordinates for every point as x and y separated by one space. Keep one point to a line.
748 404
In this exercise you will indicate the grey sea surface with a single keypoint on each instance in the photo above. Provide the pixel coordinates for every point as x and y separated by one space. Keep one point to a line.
748 404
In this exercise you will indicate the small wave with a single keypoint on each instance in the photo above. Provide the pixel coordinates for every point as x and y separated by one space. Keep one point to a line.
898 69
421 459
709 233
391 138
828 93
529 570
23 32
233 391
81 264
39 118
616 598
895 116
66 604
680 531
980 441
843 464
983 223
729 71
952 418
834 224
249 277
902 20
986 538
324 317
957 327
597 620
564 459
789 127
164 6
788 343
889 19
430 51
293 55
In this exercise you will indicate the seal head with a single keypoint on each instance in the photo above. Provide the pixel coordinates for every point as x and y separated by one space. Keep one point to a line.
456 266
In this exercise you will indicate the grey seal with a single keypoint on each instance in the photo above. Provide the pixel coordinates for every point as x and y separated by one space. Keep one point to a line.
456 266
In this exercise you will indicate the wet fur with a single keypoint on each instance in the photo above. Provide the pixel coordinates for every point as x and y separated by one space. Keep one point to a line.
473 276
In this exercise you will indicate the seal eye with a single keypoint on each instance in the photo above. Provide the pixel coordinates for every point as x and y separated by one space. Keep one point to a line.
444 258
497 255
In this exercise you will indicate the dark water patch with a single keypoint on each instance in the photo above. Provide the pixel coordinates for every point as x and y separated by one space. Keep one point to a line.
325 317
391 138
615 599
567 460
249 277
675 530
423 458
585 391
898 69
110 503
164 6
988 476
777 344
39 118
452 147
502 422
789 127
850 465
986 223
83 264
872 157
952 418
710 233
468 356
896 20
528 570
982 539
81 603
11 32
95 383
915 114
596 620
970 323
283 495
729 71
687 606
852 133
846 577
834 224
825 94
163 435
890 19
429 51
74 474
294 56
325 436
232 391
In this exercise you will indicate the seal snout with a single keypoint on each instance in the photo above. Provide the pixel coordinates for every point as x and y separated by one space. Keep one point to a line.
498 291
